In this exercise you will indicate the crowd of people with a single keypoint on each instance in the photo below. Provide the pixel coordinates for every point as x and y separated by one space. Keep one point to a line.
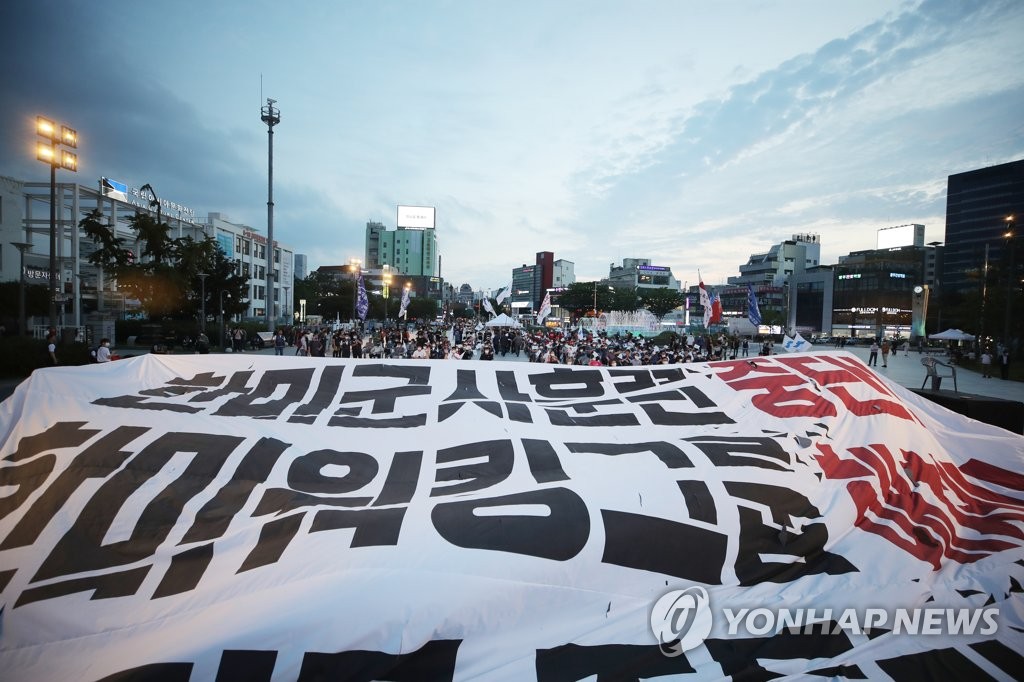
472 341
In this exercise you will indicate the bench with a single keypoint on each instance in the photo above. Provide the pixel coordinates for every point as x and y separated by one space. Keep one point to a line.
932 371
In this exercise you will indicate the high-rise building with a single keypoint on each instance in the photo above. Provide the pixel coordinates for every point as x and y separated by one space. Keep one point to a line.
523 296
410 251
978 203
301 266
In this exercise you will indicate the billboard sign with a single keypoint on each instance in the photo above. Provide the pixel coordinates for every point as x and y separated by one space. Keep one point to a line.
420 217
901 235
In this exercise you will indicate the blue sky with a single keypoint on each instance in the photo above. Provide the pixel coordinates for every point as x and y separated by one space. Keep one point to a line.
690 133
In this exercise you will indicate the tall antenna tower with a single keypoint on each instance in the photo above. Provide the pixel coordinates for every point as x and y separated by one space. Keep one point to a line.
271 116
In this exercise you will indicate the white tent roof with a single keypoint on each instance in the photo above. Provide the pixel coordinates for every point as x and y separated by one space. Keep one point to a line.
503 320
952 335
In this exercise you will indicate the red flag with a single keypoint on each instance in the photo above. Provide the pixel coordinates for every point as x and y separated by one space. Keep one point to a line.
716 309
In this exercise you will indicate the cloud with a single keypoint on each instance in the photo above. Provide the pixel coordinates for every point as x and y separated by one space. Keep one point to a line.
728 129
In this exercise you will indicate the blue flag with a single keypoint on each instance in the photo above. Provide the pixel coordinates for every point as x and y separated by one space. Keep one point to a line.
753 312
363 304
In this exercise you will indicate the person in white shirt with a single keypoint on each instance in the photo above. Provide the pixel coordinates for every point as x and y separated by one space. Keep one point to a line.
103 352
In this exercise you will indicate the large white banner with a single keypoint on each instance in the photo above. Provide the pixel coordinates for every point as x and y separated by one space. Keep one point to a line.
227 517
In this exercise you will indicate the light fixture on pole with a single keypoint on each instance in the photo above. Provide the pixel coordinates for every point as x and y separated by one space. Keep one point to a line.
202 301
271 116
386 279
22 247
223 331
52 154
1009 236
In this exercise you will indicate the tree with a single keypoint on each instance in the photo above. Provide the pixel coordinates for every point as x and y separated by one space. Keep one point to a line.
661 301
165 278
579 298
624 299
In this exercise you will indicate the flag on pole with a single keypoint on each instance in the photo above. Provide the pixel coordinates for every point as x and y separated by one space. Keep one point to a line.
545 308
503 294
796 343
405 302
716 308
363 304
753 312
705 303
488 307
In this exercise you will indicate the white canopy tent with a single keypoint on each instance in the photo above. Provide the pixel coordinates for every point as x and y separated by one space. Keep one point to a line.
503 320
952 335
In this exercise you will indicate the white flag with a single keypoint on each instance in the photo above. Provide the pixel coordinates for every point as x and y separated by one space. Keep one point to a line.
705 303
545 308
488 307
405 303
503 294
796 343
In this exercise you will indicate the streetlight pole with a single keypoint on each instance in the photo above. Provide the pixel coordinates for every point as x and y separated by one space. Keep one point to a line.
386 278
984 300
47 152
271 117
1010 277
22 247
223 331
202 302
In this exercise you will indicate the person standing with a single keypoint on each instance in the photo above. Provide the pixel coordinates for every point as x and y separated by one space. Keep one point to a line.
103 352
986 363
51 345
885 352
1004 364
873 355
279 343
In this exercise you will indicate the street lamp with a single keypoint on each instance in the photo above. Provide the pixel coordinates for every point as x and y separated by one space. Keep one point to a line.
223 334
202 301
52 154
302 310
22 247
386 278
354 264
1010 278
